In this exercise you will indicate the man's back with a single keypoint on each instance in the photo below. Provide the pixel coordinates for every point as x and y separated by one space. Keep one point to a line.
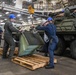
9 28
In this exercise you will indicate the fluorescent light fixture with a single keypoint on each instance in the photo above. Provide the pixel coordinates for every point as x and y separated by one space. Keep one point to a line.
18 15
2 23
64 0
28 17
0 15
29 20
37 18
1 20
5 19
7 13
20 19
29 0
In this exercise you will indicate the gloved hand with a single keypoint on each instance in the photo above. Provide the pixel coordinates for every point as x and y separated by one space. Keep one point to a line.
32 26
34 31
21 31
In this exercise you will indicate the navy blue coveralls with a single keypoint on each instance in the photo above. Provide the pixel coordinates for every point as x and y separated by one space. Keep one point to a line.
50 30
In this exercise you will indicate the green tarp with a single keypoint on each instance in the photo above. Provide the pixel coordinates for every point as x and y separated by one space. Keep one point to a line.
29 43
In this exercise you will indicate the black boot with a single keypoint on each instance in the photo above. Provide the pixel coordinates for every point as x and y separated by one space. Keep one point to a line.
4 56
11 53
49 67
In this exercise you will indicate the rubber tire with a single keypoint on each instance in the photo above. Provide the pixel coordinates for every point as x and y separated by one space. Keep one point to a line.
73 49
60 47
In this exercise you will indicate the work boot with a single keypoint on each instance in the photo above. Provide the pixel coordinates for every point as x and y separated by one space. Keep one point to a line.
4 57
49 67
11 53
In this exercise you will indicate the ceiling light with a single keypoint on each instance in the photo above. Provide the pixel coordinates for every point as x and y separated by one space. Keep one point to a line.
29 0
1 20
7 13
0 15
18 15
5 19
20 19
28 17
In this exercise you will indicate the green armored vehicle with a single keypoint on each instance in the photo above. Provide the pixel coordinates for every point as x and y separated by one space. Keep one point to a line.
66 31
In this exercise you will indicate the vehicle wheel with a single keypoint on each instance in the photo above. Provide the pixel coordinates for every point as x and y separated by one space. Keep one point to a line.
60 47
73 49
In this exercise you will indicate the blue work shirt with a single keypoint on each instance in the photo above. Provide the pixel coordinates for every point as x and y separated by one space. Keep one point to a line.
50 30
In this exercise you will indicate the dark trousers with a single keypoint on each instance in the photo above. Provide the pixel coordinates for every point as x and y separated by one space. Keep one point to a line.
8 43
0 38
45 47
51 48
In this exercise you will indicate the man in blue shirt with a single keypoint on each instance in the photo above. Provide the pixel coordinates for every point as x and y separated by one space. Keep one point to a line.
50 30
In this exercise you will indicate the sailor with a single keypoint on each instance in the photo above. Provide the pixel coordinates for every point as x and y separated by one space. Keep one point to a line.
8 38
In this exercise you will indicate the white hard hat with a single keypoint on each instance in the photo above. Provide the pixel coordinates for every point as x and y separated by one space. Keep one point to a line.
43 21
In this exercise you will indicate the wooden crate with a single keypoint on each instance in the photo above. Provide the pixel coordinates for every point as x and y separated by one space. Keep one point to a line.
32 62
15 52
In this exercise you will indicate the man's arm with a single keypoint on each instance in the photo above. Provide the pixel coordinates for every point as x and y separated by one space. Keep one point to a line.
13 29
41 27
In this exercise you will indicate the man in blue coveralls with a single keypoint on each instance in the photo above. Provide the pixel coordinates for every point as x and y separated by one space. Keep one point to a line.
50 30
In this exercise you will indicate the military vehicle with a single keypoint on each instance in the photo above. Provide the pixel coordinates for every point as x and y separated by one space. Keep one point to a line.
66 31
